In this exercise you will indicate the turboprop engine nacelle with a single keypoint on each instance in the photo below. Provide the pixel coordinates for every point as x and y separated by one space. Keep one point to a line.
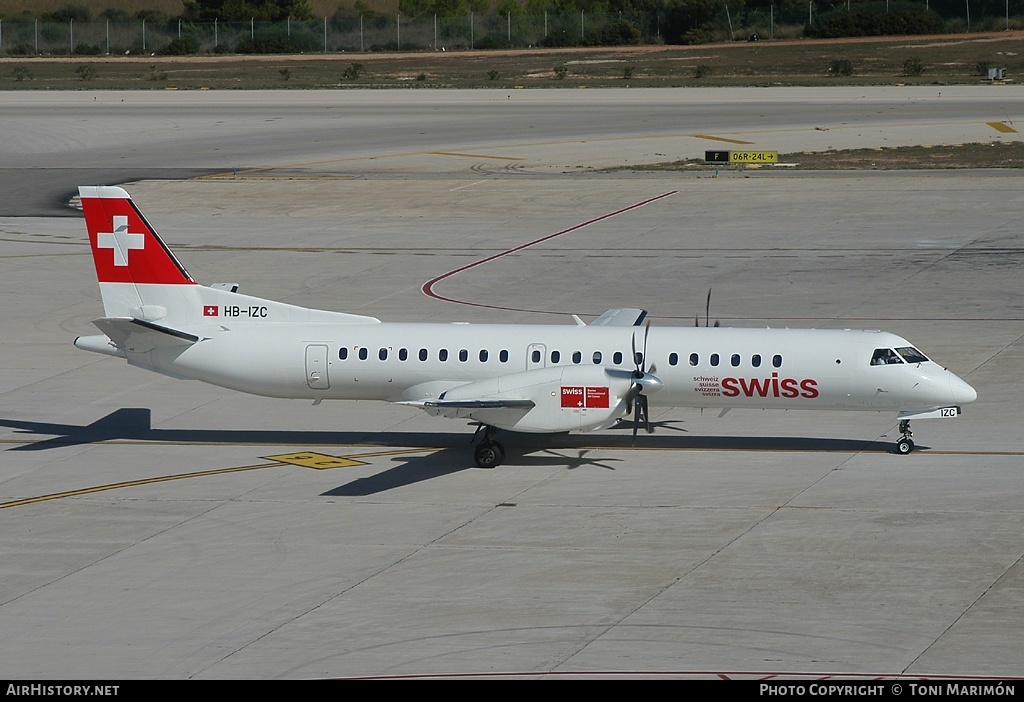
564 398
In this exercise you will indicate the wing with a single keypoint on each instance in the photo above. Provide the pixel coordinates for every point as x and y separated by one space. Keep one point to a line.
501 412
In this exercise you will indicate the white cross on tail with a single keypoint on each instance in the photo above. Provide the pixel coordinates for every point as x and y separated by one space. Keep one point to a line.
120 240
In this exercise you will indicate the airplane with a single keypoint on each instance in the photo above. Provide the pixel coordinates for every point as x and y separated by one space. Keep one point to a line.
541 378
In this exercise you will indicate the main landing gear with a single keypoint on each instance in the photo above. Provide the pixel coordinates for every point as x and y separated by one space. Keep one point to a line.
488 453
905 444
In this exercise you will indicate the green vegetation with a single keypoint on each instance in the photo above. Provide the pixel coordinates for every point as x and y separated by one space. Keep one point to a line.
182 46
841 67
352 72
875 19
1000 154
290 26
912 66
762 63
244 10
86 72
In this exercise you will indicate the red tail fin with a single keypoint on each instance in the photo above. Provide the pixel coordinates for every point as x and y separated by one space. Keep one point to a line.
125 248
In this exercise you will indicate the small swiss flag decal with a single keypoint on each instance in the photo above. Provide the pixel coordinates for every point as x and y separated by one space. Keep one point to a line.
211 311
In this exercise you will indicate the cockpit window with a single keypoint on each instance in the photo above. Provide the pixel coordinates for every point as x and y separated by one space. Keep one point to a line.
911 355
885 357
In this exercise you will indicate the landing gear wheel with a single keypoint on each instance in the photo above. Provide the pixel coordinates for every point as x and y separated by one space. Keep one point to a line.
905 444
489 454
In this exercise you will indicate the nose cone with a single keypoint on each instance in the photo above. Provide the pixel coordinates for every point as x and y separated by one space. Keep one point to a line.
962 392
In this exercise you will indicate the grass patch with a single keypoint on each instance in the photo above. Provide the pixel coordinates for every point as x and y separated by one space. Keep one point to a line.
943 60
997 154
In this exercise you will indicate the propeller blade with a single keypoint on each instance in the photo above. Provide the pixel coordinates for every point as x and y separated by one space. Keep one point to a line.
636 419
632 343
707 309
647 416
647 330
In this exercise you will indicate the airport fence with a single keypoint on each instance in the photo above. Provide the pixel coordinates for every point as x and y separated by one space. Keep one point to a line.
349 32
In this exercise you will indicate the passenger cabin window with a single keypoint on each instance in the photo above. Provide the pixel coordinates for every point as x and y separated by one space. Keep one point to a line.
363 353
735 360
556 356
911 355
577 357
403 354
885 357
714 359
503 356
777 361
535 356
383 354
755 360
617 358
597 358
423 354
673 358
483 355
638 358
343 353
442 355
694 359
463 355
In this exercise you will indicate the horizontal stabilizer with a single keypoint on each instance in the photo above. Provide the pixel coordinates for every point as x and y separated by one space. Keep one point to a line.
139 336
626 317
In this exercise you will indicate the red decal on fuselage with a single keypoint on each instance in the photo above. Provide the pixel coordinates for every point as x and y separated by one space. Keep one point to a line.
597 397
770 387
572 396
590 397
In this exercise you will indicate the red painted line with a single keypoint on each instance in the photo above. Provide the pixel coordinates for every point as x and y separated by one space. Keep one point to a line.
428 287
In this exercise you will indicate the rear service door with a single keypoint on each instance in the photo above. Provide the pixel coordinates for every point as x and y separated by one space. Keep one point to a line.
316 367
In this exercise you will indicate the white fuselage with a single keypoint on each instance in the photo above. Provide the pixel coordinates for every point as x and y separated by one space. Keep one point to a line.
698 367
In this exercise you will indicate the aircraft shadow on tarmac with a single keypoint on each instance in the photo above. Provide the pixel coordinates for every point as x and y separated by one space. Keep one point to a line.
445 453
135 424
447 461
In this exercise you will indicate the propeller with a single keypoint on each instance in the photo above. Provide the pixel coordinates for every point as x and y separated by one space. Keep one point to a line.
643 382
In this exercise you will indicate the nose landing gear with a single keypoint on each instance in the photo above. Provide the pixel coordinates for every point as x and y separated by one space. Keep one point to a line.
905 444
